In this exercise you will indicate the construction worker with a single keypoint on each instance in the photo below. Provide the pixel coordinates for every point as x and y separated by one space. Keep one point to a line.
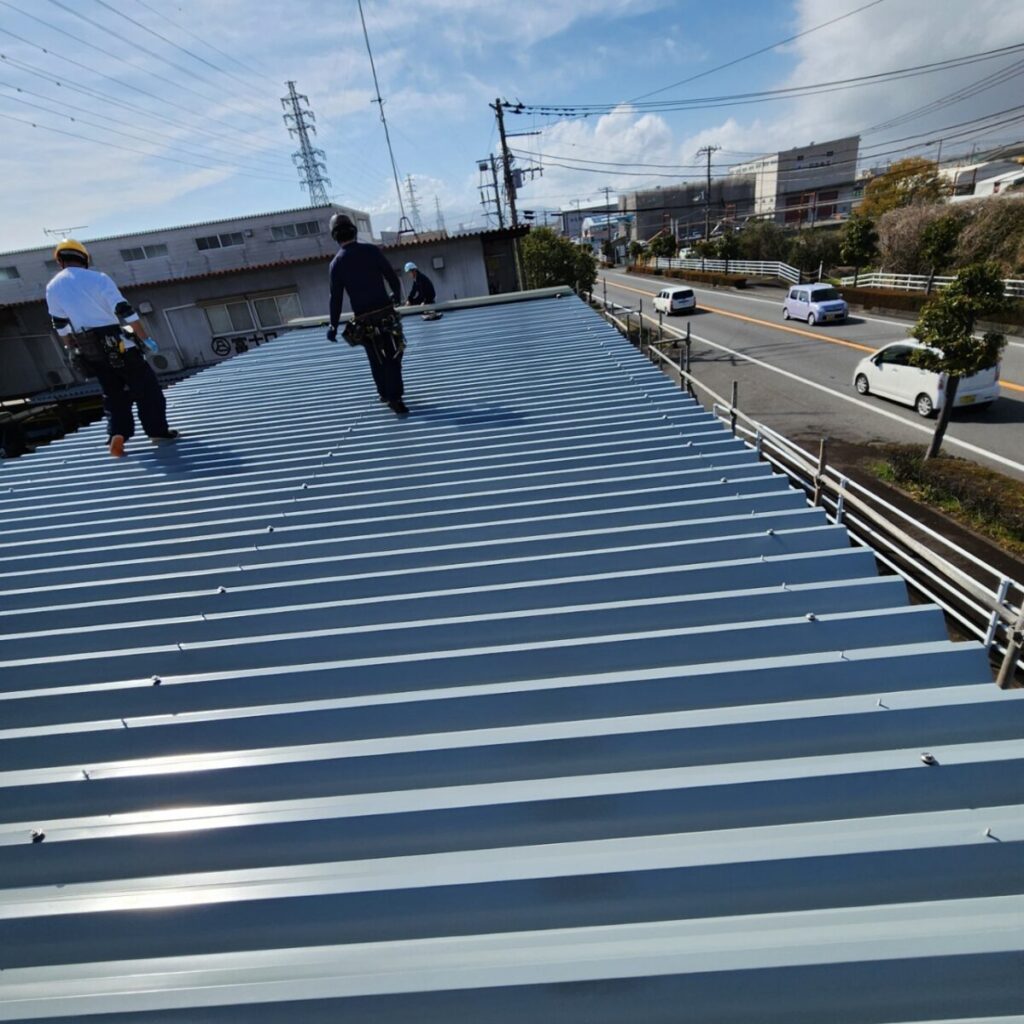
361 270
422 292
88 311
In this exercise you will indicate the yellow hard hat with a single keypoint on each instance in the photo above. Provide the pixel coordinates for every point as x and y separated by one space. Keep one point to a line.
69 245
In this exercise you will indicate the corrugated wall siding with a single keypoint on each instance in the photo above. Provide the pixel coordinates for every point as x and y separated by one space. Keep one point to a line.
548 703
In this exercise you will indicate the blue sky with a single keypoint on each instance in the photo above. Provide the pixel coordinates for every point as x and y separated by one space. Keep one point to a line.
178 115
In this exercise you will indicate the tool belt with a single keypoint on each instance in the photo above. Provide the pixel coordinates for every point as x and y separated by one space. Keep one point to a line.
99 345
379 330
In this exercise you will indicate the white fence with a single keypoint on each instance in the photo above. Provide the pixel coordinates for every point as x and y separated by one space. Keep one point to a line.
755 268
919 283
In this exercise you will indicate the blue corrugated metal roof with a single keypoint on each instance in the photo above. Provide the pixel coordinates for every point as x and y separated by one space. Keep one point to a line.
547 703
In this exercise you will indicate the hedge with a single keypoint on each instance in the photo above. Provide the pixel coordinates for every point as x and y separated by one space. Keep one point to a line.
714 278
891 298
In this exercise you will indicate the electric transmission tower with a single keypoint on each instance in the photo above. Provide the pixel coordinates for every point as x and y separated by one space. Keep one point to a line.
414 204
440 215
309 160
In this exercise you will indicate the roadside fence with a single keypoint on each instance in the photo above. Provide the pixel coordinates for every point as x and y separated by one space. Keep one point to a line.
919 283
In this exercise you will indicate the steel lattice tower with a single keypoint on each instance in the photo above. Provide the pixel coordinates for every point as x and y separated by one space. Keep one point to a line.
309 160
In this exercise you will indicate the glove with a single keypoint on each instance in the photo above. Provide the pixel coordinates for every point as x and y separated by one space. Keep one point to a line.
332 332
151 345
396 300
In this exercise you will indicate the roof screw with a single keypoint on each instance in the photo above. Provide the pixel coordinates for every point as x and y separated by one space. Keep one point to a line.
811 617
85 775
724 480
929 758
124 723
305 487
988 834
157 680
770 532
881 705
270 529
222 590
38 835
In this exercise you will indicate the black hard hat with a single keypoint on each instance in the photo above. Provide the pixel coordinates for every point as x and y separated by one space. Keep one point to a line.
342 228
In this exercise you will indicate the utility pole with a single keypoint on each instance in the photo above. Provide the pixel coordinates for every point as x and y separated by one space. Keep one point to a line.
510 188
300 121
707 151
497 193
608 214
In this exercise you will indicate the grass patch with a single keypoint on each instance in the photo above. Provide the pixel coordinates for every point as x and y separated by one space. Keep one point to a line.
981 499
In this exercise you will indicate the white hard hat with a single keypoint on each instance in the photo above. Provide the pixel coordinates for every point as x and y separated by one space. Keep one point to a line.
410 266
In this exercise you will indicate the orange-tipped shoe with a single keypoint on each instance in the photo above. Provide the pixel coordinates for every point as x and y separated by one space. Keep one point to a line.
117 446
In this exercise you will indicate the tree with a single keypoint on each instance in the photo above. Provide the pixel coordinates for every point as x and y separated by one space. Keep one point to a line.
727 247
763 240
912 180
859 244
946 326
662 245
636 250
550 260
938 242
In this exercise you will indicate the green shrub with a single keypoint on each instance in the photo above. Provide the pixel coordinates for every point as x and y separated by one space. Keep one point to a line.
913 302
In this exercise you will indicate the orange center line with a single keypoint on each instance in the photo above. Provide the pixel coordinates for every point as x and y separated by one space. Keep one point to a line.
796 330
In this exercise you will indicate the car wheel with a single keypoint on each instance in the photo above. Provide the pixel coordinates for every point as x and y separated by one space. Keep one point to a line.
811 320
861 384
785 313
923 406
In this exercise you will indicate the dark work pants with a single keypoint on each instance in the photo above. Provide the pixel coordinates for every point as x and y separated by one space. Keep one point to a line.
387 374
135 382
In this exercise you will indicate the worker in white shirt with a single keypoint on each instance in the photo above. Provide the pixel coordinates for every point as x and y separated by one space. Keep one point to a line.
88 311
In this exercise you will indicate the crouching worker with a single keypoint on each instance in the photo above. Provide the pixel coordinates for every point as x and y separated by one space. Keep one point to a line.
422 292
88 311
362 271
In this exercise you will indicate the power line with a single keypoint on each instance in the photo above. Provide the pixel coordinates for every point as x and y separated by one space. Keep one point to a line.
245 133
757 53
119 58
789 92
134 150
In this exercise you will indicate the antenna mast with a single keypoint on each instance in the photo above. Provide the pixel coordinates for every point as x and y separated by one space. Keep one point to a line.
404 227
309 160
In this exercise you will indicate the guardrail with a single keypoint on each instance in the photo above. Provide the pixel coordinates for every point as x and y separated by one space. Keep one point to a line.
985 602
756 268
919 283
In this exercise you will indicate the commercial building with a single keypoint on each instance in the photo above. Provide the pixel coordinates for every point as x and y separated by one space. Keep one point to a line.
210 290
804 185
681 209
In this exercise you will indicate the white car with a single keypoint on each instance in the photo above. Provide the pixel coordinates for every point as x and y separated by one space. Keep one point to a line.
889 373
815 303
675 300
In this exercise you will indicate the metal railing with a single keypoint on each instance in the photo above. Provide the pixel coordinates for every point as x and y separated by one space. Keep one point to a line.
755 268
982 600
919 283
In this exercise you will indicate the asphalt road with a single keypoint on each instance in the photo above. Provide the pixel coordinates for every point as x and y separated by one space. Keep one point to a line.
798 380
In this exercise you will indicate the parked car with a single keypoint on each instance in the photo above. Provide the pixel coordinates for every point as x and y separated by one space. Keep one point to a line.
815 303
675 300
889 373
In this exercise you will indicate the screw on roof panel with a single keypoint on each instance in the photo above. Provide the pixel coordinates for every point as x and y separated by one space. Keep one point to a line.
38 835
157 680
811 617
929 758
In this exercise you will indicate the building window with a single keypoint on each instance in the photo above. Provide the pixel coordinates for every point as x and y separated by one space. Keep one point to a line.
279 232
9 273
363 225
220 241
247 314
277 310
143 252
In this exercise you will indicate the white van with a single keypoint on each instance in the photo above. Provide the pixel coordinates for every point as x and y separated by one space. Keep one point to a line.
675 300
889 373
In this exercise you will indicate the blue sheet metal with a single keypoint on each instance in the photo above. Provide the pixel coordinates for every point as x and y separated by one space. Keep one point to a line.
547 703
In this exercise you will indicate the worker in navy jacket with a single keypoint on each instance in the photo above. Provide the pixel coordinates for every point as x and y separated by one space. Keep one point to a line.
90 315
361 270
422 292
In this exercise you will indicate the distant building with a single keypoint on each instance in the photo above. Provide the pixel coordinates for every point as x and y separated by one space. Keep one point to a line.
207 291
681 209
805 185
572 219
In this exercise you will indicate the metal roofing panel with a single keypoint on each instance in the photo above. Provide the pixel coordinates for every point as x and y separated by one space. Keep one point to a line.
547 702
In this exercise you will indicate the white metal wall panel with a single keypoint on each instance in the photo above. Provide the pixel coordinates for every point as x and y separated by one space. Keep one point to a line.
547 703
